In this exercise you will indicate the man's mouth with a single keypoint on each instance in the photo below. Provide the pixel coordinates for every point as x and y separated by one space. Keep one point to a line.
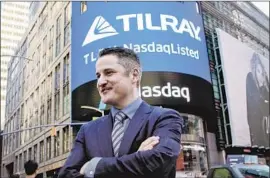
105 90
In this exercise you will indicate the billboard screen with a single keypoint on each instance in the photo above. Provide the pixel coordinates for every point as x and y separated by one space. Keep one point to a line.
246 78
168 37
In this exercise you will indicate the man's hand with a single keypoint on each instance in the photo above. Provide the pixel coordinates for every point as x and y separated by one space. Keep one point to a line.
82 171
149 143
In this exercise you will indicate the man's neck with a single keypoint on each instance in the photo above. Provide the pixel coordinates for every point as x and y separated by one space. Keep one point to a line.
131 99
126 104
31 176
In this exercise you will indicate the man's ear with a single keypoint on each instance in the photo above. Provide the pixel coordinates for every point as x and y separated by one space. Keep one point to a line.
135 75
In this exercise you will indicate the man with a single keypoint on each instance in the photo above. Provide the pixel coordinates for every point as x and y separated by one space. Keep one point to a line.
135 139
30 168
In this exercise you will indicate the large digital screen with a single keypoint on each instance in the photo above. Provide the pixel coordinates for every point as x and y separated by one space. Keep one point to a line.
167 36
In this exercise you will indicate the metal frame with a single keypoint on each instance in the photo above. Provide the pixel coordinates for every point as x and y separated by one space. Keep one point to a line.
223 104
17 56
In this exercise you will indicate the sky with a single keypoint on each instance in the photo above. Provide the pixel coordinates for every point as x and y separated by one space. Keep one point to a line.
263 6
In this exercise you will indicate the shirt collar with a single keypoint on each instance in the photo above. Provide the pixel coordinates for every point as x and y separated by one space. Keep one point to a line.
129 110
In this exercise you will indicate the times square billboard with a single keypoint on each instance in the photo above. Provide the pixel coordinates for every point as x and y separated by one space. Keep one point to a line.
246 79
169 40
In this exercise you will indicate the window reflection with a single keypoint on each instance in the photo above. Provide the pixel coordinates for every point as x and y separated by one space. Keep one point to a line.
192 160
192 129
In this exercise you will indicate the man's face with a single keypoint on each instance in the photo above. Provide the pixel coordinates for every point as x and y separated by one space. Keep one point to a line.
114 85
260 75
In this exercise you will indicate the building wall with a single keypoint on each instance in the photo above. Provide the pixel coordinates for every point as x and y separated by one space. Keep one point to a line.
14 22
42 84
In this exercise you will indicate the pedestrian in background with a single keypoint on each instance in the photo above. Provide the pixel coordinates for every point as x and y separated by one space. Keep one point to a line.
30 168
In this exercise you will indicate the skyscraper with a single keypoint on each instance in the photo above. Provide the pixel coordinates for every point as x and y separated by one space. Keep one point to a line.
14 22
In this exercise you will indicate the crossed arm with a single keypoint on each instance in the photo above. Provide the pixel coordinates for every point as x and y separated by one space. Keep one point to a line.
151 155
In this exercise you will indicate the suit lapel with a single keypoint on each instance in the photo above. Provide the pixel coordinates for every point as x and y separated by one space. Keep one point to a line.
134 127
104 136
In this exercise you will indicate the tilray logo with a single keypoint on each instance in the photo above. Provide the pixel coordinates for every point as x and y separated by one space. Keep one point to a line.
98 30
143 22
165 91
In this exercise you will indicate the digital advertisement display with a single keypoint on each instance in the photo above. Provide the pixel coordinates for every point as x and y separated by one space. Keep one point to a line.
168 37
246 78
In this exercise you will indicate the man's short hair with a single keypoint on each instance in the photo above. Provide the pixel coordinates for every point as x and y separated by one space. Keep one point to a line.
30 167
126 57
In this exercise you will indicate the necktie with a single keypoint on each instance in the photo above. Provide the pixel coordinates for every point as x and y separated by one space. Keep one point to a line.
118 131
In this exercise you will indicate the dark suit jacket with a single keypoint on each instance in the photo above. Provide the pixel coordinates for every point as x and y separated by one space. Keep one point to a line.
94 140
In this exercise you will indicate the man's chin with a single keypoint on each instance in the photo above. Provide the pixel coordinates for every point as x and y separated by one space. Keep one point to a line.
106 101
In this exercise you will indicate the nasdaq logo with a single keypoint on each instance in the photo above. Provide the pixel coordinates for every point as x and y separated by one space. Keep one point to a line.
166 91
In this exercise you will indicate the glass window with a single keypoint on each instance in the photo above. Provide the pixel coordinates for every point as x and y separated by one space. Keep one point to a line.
42 116
215 88
214 82
57 92
57 77
35 153
41 152
65 139
44 54
49 85
216 95
67 24
30 153
192 160
66 68
49 111
51 45
48 148
57 144
66 101
57 105
58 36
20 162
25 156
192 129
16 164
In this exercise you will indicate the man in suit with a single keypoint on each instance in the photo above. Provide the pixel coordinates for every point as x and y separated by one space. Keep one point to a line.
135 139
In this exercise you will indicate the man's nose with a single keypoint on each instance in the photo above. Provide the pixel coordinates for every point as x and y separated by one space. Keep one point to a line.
101 81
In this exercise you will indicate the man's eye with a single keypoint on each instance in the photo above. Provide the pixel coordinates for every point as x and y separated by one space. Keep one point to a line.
109 73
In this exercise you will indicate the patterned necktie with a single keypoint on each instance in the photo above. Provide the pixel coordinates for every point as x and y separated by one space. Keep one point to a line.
118 131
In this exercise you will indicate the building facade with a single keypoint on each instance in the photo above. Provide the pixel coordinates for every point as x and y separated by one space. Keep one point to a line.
243 21
14 22
38 91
